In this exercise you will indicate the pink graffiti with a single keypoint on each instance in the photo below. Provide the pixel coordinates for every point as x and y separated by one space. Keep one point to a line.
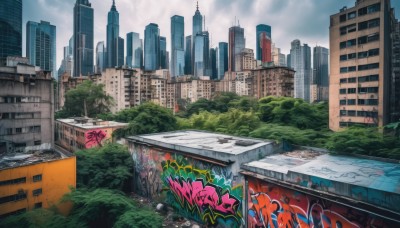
203 197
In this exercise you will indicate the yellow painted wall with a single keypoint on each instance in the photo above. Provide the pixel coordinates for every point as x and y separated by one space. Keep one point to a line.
57 177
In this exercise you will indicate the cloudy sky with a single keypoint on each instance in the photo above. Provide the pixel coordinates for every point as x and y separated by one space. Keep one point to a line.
307 20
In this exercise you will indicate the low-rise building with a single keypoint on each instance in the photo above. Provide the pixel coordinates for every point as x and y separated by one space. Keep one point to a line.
84 133
273 81
37 179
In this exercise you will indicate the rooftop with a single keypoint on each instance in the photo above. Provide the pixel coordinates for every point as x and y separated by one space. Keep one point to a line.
368 173
200 140
88 123
32 157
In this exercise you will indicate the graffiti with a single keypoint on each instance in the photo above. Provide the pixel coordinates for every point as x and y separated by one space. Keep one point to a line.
273 206
95 138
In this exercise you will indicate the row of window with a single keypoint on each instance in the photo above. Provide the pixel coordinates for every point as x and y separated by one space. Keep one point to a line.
349 124
360 90
360 67
369 78
22 130
19 196
359 40
359 102
10 99
360 55
16 212
361 26
20 115
362 11
359 113
35 178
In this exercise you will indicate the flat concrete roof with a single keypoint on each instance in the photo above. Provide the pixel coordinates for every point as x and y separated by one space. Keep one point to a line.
201 141
91 123
368 173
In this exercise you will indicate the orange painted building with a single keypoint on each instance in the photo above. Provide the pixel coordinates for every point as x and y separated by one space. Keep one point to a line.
35 180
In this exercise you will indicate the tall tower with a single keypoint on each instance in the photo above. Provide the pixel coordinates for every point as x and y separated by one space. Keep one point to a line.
10 29
152 47
222 59
100 57
320 80
41 45
237 43
300 59
112 37
263 43
163 53
188 55
134 47
177 46
202 55
83 38
197 28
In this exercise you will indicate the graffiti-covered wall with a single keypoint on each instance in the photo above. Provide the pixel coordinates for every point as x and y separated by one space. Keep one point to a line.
199 190
273 206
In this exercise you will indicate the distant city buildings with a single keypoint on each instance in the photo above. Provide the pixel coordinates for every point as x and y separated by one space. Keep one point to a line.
264 42
222 59
134 47
197 25
395 81
237 43
164 58
83 38
300 61
320 80
202 55
177 46
41 45
10 29
101 57
278 58
152 47
188 55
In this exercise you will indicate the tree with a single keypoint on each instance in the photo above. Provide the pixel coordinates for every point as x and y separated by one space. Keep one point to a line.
86 97
109 167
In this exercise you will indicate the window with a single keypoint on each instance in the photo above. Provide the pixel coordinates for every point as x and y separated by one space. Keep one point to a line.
38 205
342 102
362 11
17 212
18 130
16 145
368 66
343 112
352 56
351 42
352 69
37 142
342 91
369 78
11 198
351 90
13 181
367 101
367 114
343 80
342 44
373 52
362 40
351 15
374 8
373 37
373 23
343 30
37 192
362 25
351 113
37 178
362 90
351 101
352 80
343 18
351 28
343 70
343 57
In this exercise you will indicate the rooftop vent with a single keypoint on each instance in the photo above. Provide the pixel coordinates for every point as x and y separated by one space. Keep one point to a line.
245 143
224 140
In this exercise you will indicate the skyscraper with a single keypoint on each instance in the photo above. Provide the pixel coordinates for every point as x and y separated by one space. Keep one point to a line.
320 80
83 38
10 29
120 52
300 59
213 63
278 58
100 57
152 47
113 37
177 46
188 55
197 28
237 43
222 59
41 45
202 55
134 47
163 53
263 43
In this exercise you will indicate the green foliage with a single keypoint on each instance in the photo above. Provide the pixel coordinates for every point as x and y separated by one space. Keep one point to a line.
144 119
88 93
109 167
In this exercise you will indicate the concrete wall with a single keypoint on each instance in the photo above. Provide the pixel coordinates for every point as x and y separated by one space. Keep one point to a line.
270 205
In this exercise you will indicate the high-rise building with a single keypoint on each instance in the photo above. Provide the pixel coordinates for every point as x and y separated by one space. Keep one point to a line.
152 47
320 80
237 43
360 65
202 55
245 60
120 53
197 29
134 47
222 59
300 59
10 29
177 46
278 58
288 61
163 53
188 55
213 63
263 43
83 38
100 57
112 37
395 82
41 45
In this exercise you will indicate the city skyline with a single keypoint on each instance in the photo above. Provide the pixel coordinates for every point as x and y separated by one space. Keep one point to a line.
311 28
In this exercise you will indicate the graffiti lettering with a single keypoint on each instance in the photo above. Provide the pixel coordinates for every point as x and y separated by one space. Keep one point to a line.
95 138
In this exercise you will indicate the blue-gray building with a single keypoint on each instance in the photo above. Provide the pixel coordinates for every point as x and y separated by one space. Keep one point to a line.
321 73
188 55
41 45
177 46
163 53
300 60
213 63
202 55
83 38
197 29
261 28
120 52
113 37
152 47
134 50
237 43
222 59
10 29
100 57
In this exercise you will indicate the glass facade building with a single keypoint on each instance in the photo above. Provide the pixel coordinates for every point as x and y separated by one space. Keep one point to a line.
177 46
321 73
237 43
197 29
202 55
83 38
152 47
113 37
10 29
188 55
41 45
134 50
100 57
213 63
264 34
222 59
163 53
300 60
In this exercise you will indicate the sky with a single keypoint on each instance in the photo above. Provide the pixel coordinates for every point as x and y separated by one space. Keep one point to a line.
306 20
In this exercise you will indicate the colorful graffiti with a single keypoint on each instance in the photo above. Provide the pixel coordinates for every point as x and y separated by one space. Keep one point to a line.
272 206
95 138
198 190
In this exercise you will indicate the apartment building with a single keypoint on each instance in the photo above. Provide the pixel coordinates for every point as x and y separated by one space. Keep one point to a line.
65 84
360 65
273 81
244 83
